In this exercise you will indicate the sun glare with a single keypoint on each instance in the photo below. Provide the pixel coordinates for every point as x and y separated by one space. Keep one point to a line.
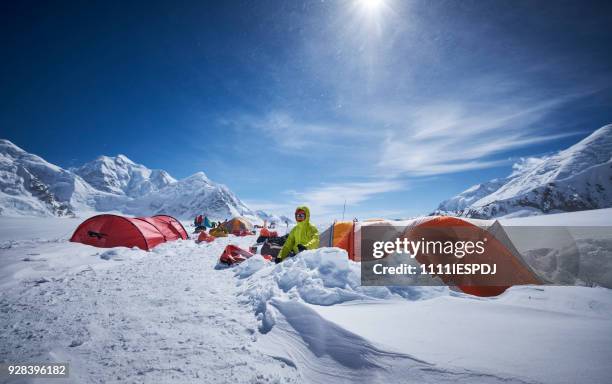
371 6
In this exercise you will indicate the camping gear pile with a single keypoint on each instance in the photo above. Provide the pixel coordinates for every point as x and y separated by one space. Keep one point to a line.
268 244
233 254
269 249
201 223
106 231
238 226
205 237
266 233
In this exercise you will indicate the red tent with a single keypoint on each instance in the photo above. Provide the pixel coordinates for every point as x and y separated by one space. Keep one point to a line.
174 225
108 231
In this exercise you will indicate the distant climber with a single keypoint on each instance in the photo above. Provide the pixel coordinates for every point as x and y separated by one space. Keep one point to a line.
302 237
197 222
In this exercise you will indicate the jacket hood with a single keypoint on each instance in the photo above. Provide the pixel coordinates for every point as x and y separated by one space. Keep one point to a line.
306 210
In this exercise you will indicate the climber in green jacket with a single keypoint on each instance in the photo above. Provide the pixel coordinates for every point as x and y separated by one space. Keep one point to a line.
303 236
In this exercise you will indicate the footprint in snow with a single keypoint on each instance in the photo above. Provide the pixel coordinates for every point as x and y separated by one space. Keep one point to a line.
76 343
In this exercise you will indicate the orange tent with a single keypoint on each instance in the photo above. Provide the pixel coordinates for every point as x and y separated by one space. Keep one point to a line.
512 269
340 234
238 226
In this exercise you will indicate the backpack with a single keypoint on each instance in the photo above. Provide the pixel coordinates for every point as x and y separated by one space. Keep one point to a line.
271 249
278 240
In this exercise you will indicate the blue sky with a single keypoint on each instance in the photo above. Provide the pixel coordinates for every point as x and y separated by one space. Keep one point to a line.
392 105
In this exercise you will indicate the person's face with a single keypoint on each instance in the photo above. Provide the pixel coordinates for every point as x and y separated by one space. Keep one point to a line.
300 216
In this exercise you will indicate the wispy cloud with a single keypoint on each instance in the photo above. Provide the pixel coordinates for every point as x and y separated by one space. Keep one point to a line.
270 206
461 136
326 201
425 137
292 134
332 195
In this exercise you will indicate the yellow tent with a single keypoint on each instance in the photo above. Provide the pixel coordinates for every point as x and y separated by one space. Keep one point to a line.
238 225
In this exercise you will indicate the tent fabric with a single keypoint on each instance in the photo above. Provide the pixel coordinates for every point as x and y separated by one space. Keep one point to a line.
347 235
205 237
162 227
107 231
174 224
511 269
218 232
238 225
340 234
206 222
233 254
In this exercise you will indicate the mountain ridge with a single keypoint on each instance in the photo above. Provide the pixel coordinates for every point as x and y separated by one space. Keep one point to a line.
31 186
573 179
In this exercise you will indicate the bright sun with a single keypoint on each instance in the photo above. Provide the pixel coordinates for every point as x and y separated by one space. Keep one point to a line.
371 5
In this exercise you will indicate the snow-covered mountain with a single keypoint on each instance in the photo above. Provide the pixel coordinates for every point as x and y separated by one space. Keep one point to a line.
120 175
30 186
578 178
196 194
471 195
271 218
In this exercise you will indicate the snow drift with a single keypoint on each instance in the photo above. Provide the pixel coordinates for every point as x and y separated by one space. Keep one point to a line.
322 277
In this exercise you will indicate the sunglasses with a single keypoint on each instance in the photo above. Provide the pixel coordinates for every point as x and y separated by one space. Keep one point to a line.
300 215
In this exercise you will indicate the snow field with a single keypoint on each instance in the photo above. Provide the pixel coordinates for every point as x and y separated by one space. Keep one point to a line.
132 316
174 315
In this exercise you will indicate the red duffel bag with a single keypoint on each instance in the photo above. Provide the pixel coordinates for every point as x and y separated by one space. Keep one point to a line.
233 254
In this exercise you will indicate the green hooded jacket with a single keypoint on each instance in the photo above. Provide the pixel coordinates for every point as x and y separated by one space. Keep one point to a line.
303 233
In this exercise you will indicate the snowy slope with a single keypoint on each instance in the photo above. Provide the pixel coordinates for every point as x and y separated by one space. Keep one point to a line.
31 186
186 198
120 175
271 218
173 315
531 334
578 178
470 196
137 190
